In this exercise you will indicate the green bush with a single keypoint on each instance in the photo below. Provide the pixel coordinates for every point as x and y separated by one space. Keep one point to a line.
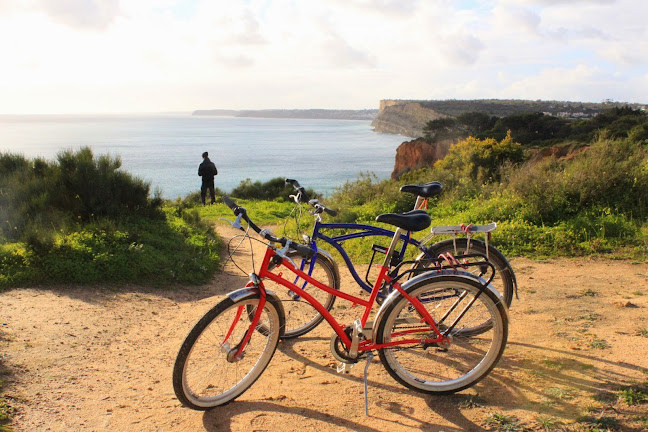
480 161
594 201
193 199
82 220
177 249
609 175
274 189
76 188
535 129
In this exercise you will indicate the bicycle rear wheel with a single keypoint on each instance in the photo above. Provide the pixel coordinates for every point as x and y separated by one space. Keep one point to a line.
471 354
504 278
206 373
301 316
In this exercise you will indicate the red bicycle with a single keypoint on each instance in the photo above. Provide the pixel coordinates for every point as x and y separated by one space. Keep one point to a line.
428 332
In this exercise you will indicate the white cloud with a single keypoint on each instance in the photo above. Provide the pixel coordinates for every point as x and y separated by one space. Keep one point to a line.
461 50
567 2
137 55
580 83
385 7
341 54
82 14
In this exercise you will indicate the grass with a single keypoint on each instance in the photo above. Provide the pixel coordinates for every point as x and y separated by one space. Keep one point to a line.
471 402
503 422
634 395
560 393
6 413
261 212
6 409
553 364
179 248
599 344
599 424
547 423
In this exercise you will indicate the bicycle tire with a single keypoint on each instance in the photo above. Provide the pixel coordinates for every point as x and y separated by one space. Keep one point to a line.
204 355
301 316
470 356
504 278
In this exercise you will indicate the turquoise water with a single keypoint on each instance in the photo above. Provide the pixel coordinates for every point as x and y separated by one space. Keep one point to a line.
166 149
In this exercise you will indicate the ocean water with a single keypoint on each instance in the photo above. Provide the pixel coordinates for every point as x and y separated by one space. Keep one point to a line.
165 150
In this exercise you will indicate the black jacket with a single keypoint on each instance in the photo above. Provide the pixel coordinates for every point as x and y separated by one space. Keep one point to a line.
207 170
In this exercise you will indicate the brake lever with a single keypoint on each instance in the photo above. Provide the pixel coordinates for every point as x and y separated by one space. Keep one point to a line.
283 253
294 198
237 223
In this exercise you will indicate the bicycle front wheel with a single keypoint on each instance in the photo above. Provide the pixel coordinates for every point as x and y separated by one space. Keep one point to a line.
207 373
470 355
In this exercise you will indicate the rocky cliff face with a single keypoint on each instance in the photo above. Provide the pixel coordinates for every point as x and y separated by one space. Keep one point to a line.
559 152
405 118
417 154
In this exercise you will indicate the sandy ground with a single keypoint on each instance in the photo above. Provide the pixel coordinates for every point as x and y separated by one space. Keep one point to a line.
89 358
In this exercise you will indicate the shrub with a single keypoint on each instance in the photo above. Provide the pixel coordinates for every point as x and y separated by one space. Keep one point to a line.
594 201
274 189
180 249
77 187
480 160
610 175
82 220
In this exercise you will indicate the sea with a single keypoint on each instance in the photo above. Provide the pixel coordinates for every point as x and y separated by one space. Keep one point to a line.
165 149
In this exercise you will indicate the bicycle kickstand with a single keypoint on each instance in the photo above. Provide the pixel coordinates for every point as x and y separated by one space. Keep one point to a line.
366 391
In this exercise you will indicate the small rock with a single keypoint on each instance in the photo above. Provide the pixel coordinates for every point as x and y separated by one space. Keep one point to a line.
626 304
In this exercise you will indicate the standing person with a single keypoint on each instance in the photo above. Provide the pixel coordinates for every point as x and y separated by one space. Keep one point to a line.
207 170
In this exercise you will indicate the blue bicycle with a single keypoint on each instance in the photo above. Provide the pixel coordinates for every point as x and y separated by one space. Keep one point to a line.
455 252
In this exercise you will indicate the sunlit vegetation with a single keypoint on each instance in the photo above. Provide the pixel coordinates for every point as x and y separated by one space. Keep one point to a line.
593 202
81 219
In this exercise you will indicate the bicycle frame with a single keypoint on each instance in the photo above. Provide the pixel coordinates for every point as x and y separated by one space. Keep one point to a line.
366 345
363 231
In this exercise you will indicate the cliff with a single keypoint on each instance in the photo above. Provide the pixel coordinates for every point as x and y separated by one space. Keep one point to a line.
417 154
408 117
405 118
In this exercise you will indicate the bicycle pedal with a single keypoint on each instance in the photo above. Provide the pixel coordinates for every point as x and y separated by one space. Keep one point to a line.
344 367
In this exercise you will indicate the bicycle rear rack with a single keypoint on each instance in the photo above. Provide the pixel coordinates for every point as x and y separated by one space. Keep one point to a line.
435 264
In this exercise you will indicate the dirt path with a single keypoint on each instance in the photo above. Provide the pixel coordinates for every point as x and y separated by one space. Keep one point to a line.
99 359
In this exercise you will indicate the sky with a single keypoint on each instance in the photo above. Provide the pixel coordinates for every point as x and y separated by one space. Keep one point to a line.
143 56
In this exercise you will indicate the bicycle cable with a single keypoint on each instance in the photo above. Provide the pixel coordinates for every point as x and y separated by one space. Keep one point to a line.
230 252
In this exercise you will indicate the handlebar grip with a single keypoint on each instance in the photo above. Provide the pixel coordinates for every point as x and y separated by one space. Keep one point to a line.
303 250
229 203
330 211
293 182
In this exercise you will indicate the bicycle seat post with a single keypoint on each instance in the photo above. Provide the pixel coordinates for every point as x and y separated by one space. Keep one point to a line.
419 201
392 247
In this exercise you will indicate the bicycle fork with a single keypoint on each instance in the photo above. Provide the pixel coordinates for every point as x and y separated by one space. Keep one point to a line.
236 354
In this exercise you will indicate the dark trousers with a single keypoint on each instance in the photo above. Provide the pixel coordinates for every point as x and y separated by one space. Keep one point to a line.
207 185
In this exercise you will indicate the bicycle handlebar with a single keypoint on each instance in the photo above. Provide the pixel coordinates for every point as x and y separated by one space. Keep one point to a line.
302 192
302 195
293 182
327 210
238 210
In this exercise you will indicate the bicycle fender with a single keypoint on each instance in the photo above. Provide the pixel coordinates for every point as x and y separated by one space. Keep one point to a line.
433 274
251 292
